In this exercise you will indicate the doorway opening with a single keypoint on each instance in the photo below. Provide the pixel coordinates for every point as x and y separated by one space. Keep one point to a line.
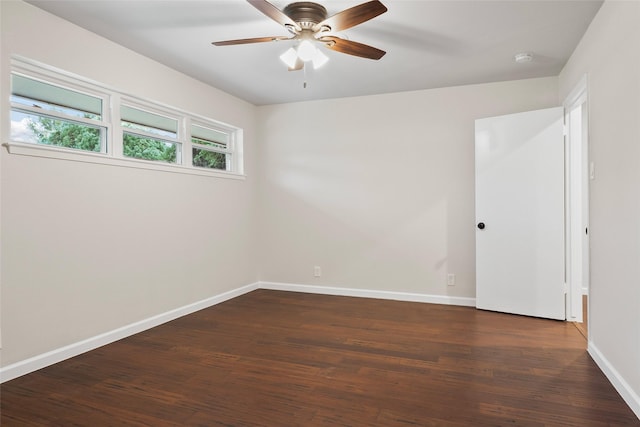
578 173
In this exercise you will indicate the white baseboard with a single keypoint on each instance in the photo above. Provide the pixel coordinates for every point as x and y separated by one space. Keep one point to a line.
622 387
32 364
368 293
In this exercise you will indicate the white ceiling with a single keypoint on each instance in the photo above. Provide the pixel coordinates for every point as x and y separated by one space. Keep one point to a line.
429 43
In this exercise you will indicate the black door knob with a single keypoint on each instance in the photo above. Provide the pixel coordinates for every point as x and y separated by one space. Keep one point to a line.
481 225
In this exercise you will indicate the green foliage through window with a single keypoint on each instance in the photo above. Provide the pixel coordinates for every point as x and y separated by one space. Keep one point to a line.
65 134
209 159
148 148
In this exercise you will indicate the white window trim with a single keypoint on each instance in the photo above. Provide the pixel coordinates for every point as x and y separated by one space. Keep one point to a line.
55 114
111 121
232 152
44 74
70 154
120 130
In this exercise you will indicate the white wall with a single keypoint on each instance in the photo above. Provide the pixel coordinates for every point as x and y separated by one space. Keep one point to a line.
379 191
609 54
90 248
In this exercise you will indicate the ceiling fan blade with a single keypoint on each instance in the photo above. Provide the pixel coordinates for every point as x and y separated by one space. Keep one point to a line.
247 41
352 16
352 48
274 13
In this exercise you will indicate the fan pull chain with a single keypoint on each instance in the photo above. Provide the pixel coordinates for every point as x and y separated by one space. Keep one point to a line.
304 70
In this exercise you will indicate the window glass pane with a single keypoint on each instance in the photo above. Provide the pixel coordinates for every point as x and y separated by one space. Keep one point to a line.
135 118
209 159
211 137
34 93
27 127
141 147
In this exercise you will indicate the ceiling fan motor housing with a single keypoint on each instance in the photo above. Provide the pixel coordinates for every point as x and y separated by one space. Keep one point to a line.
306 13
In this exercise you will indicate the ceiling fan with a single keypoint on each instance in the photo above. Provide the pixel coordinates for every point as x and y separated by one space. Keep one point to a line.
309 24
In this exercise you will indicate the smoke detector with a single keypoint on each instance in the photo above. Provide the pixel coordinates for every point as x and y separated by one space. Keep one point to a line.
523 57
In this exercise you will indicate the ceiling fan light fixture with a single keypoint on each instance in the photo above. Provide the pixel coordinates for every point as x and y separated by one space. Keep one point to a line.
289 57
306 51
319 59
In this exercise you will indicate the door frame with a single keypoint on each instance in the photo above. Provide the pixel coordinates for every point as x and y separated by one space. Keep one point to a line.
578 172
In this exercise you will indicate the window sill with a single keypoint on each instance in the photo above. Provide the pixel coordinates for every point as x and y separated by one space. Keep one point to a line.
26 149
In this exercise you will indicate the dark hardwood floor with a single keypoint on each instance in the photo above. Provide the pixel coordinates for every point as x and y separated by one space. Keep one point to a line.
272 358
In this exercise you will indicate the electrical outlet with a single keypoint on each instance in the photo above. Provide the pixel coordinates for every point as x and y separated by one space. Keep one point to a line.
317 271
451 279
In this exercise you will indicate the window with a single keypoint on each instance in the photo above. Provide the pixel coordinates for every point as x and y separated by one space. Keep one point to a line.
57 115
149 136
210 148
50 114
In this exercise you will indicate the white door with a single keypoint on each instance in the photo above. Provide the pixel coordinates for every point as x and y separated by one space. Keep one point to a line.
520 214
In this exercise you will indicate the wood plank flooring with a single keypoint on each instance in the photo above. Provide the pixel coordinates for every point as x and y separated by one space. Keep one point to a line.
271 358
